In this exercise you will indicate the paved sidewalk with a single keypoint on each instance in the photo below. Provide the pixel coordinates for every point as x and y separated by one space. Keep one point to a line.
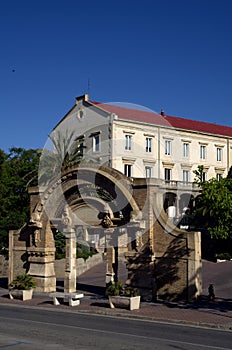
216 314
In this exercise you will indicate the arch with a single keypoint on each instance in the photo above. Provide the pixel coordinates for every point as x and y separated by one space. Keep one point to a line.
186 202
87 185
169 199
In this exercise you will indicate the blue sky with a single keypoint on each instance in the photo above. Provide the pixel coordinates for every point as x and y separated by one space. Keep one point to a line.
171 54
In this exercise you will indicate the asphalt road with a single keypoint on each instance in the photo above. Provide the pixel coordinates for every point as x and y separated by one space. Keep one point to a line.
28 328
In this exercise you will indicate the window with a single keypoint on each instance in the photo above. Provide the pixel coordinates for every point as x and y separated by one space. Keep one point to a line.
204 176
186 176
148 144
167 174
128 139
202 152
96 143
168 148
128 170
219 154
219 177
148 171
185 150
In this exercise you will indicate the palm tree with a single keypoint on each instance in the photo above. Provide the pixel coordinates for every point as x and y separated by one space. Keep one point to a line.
66 152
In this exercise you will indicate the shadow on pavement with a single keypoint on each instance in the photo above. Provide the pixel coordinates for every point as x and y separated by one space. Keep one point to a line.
82 287
222 305
4 282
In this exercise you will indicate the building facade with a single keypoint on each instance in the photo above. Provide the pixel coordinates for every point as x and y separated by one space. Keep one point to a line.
144 144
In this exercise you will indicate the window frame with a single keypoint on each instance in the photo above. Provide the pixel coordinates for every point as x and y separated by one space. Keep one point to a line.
128 169
186 175
128 142
219 176
96 144
219 154
148 144
148 171
185 150
168 147
167 171
202 152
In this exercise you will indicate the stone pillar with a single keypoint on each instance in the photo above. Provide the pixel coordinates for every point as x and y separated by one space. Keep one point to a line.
17 250
70 262
41 262
110 257
194 266
41 256
110 260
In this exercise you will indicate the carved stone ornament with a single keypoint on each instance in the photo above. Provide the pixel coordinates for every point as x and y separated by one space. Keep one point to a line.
66 217
106 221
35 220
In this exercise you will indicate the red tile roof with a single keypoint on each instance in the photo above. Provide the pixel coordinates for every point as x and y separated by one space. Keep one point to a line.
157 119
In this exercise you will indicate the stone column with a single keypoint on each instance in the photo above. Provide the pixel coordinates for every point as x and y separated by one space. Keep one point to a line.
110 258
41 254
70 262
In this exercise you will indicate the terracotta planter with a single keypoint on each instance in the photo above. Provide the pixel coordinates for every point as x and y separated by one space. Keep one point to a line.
133 303
21 294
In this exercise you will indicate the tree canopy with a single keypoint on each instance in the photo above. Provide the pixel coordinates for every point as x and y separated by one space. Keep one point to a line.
18 170
214 205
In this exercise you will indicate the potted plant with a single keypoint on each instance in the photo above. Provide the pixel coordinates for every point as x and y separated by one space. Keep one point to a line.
123 297
22 287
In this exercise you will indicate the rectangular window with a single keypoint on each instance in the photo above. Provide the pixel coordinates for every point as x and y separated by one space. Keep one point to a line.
148 172
167 174
203 152
186 175
128 170
219 154
185 150
168 148
219 177
96 143
148 144
128 139
204 176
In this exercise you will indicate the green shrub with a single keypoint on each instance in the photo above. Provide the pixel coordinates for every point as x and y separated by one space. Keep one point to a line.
22 282
115 289
224 256
130 292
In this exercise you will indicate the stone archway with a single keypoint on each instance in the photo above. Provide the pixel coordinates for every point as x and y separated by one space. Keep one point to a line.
131 207
88 191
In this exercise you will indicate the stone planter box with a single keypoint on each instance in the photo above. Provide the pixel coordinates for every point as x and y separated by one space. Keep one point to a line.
133 303
21 294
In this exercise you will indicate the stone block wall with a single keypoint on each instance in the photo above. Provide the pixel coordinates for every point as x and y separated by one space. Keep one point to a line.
81 266
4 264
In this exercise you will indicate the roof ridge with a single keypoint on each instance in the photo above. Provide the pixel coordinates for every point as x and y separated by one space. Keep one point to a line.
177 122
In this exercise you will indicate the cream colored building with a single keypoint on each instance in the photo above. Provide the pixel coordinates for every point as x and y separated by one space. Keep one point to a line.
141 143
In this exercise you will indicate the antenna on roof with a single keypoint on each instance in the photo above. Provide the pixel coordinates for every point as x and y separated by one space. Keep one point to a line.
88 86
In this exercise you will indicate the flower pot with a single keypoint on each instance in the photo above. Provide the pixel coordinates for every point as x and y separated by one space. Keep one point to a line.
133 303
21 294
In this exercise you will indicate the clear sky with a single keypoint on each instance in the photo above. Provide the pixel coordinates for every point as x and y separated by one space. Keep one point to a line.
171 54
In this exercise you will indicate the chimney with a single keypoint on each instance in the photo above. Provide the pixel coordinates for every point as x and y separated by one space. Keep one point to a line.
162 112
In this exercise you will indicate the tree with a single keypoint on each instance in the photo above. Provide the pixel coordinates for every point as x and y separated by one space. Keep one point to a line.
18 170
229 175
66 151
199 175
214 206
